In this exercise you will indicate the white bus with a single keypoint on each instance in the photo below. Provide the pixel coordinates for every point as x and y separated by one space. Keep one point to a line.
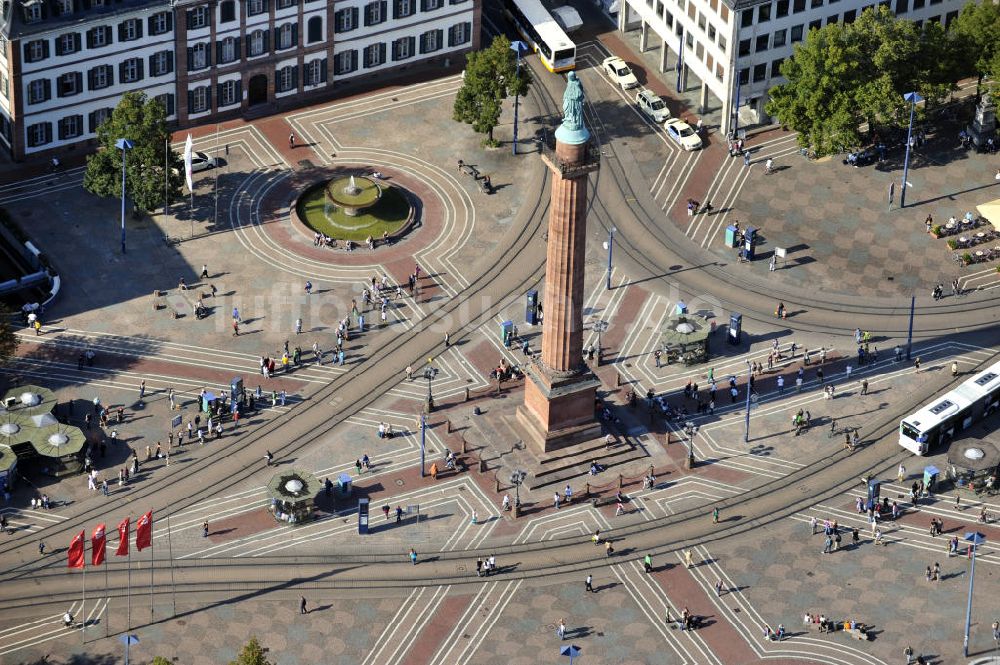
540 30
937 422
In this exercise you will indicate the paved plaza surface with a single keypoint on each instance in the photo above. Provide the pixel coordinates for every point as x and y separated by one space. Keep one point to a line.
478 254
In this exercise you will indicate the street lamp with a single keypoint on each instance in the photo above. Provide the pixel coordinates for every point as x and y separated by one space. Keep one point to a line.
914 99
746 429
610 246
516 478
600 326
423 442
429 372
518 47
975 540
124 145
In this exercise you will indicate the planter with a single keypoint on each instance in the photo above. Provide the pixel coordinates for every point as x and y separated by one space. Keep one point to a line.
952 244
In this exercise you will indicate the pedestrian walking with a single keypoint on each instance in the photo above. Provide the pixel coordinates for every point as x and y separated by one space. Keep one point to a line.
561 629
41 547
900 474
864 387
413 556
718 587
555 500
268 457
590 584
715 515
812 523
827 545
104 487
647 563
291 144
302 602
687 558
204 529
479 567
608 548
298 326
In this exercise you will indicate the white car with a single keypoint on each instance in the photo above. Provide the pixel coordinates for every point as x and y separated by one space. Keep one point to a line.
682 133
200 161
651 104
619 72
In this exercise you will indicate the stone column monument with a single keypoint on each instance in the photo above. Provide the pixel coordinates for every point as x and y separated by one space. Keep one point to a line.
558 407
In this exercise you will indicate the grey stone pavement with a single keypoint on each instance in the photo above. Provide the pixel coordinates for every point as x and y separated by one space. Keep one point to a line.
261 266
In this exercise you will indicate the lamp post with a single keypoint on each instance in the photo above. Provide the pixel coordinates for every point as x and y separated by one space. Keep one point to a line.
124 145
600 326
975 540
423 442
429 372
610 246
746 424
518 47
516 478
913 98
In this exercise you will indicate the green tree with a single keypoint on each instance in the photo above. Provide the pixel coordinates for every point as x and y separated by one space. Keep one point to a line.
8 340
252 654
160 660
491 76
143 121
976 36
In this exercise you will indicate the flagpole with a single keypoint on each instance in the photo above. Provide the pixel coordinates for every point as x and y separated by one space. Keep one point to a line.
128 562
107 592
83 605
151 570
170 550
216 186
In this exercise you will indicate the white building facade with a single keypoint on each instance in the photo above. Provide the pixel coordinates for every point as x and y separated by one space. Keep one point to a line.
735 49
65 63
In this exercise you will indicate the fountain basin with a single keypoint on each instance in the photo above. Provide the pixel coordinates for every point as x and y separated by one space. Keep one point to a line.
353 194
355 216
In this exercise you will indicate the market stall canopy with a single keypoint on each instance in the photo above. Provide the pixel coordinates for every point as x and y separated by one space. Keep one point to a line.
58 440
293 486
15 428
7 459
974 453
684 330
29 400
991 211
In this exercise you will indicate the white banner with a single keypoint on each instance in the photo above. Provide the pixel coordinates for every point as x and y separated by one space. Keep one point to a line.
188 151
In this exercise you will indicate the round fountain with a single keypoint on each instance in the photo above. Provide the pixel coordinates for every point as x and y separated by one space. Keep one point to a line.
355 207
353 194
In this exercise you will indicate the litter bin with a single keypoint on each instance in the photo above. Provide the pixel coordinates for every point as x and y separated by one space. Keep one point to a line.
344 484
507 332
735 328
531 307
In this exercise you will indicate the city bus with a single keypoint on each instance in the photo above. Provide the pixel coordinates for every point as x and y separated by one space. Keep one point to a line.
938 421
556 51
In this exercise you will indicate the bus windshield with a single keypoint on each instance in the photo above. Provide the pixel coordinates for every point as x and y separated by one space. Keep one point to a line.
563 54
908 431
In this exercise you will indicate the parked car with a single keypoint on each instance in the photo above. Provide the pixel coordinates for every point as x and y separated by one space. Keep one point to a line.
682 133
200 162
651 104
619 72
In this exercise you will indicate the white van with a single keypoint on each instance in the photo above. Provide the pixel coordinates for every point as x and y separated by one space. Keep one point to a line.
567 18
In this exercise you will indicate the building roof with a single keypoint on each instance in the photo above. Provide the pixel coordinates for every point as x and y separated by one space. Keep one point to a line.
13 23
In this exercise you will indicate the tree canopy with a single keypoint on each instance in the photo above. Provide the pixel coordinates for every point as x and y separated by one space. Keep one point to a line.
977 38
491 76
252 654
846 75
143 121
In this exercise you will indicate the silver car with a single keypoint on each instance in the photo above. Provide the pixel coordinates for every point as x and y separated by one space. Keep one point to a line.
652 105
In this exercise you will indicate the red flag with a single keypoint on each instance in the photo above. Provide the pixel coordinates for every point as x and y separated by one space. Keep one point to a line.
76 551
123 529
98 540
144 531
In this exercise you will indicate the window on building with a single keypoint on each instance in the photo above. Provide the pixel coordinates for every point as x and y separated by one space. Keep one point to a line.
97 3
744 47
39 134
65 7
832 19
315 72
780 36
951 16
796 33
69 84
918 24
255 7
33 13
286 78
815 4
934 19
711 33
744 76
160 23
129 30
781 9
97 118
759 72
431 41
285 4
709 61
699 51
724 13
4 86
197 18
761 44
403 48
746 18
935 2
345 62
99 36
850 16
314 30
257 44
38 91
197 57
130 70
229 93
166 101
227 11
701 21
100 77
345 20
375 54
668 18
776 67
375 12
161 63
70 127
815 25
403 8
798 6
199 99
722 43
67 43
764 13
430 5
228 50
35 50
286 36
720 72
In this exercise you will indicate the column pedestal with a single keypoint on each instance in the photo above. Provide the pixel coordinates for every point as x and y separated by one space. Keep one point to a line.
558 411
